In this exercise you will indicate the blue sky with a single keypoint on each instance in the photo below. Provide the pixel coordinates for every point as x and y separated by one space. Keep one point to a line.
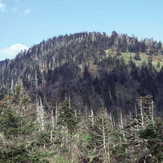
24 23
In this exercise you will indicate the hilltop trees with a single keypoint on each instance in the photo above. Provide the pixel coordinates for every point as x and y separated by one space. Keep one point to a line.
70 64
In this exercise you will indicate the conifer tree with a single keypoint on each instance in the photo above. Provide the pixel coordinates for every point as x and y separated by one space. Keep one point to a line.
67 118
101 139
158 65
137 56
16 133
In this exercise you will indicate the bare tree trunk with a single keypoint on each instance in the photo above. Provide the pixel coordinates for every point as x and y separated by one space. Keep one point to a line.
108 155
92 117
52 127
141 112
38 115
122 126
104 139
152 111
136 112
111 121
56 115
42 115
75 113
105 126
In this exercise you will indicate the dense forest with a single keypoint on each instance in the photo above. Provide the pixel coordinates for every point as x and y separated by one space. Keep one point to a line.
86 97
64 134
88 67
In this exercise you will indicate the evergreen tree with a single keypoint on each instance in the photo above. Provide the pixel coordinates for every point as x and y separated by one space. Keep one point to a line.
152 135
100 140
66 117
150 66
158 65
137 56
118 53
16 134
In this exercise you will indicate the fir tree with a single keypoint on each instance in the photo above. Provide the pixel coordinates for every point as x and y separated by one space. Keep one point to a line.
158 65
66 117
137 56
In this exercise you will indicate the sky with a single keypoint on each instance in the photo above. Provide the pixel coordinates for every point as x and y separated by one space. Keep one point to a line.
24 23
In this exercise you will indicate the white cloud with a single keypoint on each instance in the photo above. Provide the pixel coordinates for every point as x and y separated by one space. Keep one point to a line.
2 6
27 11
11 52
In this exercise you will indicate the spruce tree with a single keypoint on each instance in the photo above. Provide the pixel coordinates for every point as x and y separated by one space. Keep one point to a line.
158 65
67 118
137 56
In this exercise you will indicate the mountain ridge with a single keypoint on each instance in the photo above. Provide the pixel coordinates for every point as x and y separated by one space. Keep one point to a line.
87 66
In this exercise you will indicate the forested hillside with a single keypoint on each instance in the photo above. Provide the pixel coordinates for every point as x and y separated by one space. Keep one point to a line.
86 97
88 67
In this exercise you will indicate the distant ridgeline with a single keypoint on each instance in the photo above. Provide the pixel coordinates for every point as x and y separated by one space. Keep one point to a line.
89 68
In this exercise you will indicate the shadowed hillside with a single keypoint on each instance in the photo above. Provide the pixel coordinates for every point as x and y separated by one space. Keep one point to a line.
89 67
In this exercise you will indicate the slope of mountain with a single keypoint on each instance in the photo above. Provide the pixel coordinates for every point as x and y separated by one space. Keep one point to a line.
89 68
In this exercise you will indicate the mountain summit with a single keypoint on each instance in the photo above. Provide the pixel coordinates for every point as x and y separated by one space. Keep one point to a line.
88 68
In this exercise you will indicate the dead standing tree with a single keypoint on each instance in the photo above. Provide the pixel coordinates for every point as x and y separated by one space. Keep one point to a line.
144 115
146 107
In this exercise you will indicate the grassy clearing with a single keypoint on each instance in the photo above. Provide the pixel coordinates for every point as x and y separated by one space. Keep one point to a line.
143 56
